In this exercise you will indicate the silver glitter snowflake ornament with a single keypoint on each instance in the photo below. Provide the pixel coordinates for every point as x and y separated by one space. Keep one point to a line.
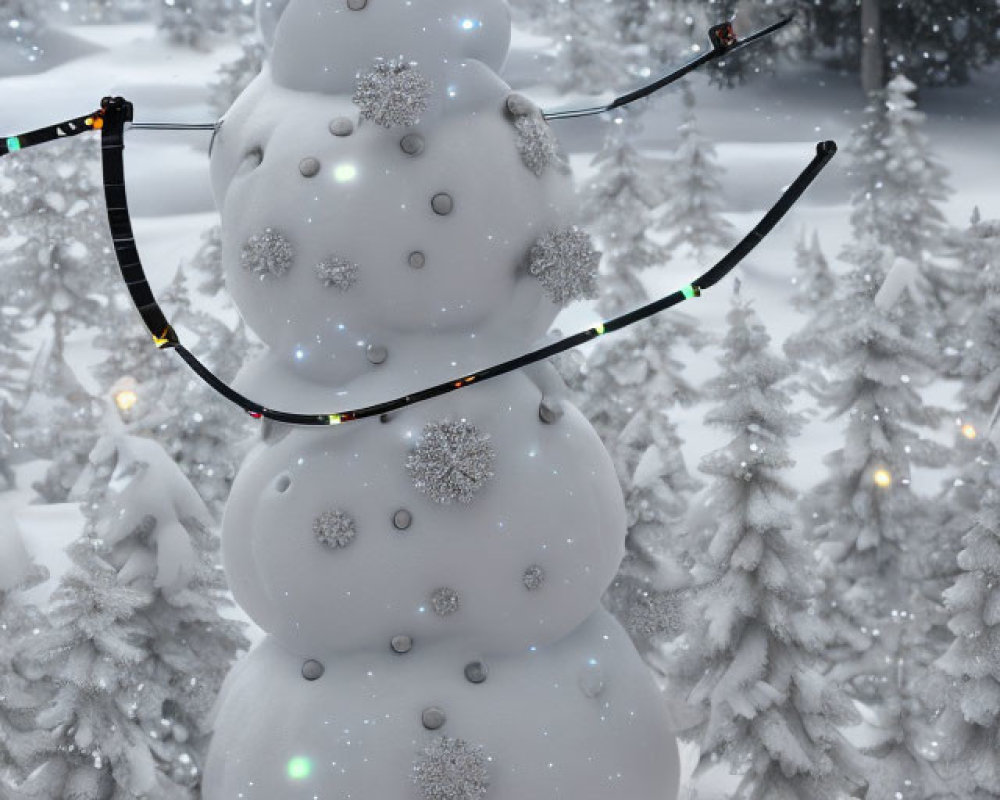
452 769
565 262
393 93
444 601
267 254
451 462
339 273
334 528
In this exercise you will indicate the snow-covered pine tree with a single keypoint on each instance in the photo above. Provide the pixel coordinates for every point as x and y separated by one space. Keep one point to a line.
20 744
749 661
876 534
235 76
191 22
10 448
814 282
692 212
618 205
138 649
968 729
898 189
587 60
203 433
207 262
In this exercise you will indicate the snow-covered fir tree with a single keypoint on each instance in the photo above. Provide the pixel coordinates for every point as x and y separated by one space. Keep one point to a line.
749 664
191 22
586 59
21 746
814 281
618 205
10 448
968 728
207 262
898 188
234 76
138 649
693 188
875 533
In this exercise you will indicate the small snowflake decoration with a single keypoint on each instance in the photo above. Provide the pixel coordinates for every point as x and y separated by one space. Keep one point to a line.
444 601
452 461
452 769
566 263
393 93
340 273
533 578
334 529
267 254
538 145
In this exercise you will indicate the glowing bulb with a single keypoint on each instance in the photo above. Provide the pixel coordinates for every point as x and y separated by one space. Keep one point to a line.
344 173
882 478
471 24
299 768
126 399
968 432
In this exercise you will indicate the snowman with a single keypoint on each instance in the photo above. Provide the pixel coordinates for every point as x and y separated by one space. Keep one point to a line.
394 216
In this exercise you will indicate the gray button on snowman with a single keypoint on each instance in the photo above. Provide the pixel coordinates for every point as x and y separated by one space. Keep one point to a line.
394 216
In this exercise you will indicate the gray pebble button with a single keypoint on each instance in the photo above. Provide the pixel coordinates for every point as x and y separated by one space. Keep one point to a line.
402 644
377 354
341 126
442 203
356 5
433 718
401 519
309 167
476 672
312 670
412 144
416 259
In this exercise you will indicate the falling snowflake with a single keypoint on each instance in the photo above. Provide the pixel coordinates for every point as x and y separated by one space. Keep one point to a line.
334 528
538 145
565 262
452 461
267 253
452 769
534 577
393 93
444 601
337 272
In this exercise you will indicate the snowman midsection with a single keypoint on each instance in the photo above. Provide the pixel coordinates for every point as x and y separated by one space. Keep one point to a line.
469 516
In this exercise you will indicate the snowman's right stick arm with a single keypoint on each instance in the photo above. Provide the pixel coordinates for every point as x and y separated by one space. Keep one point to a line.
724 42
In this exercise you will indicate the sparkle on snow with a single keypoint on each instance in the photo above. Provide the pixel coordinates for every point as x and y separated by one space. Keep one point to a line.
393 93
452 769
451 462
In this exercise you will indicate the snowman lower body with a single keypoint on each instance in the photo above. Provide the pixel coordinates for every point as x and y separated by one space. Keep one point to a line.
579 719
429 650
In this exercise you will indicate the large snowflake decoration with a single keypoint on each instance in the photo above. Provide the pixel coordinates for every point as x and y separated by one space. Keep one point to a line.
393 93
445 601
340 273
334 528
566 263
268 253
452 461
452 769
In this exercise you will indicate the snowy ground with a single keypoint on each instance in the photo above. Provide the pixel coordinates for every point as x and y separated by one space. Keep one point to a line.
765 133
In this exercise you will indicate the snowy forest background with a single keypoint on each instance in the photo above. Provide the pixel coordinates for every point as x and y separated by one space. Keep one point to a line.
813 561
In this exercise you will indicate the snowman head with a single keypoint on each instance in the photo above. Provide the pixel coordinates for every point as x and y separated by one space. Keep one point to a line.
320 45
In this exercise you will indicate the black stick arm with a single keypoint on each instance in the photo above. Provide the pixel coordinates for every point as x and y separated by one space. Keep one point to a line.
61 130
724 41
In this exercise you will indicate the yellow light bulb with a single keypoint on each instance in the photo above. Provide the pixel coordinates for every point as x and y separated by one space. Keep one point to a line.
126 399
968 431
882 478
